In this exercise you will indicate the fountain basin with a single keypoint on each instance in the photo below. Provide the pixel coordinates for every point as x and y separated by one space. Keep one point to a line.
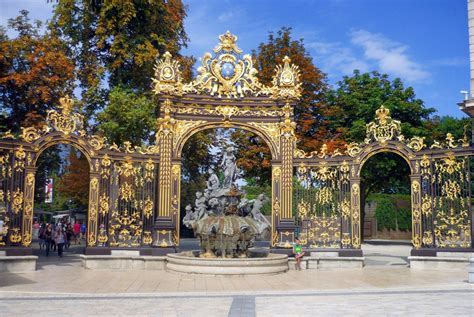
185 262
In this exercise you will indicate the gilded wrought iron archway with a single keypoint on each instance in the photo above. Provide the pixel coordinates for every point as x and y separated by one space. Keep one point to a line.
41 145
439 176
134 190
220 99
392 147
122 188
218 125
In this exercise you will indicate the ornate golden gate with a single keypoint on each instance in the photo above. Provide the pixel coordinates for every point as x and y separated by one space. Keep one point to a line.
327 199
226 93
134 199
122 190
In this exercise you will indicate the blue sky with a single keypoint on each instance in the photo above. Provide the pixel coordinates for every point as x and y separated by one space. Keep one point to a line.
424 42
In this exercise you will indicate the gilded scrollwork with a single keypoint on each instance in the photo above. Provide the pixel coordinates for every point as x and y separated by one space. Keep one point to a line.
286 84
416 143
271 130
148 208
17 202
211 110
65 121
182 127
7 135
167 79
384 128
353 149
104 205
15 235
97 142
30 134
226 73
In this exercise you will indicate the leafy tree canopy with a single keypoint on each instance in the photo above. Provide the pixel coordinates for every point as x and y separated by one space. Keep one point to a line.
355 99
127 117
117 41
34 73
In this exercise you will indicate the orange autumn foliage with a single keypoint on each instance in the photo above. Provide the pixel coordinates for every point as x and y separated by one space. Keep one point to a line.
34 73
75 181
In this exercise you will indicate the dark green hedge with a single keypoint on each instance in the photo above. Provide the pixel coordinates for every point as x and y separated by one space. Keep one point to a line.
392 212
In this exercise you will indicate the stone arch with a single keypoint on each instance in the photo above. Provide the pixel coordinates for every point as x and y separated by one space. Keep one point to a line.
271 143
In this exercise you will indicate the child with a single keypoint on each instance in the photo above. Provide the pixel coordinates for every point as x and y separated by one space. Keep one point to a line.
298 252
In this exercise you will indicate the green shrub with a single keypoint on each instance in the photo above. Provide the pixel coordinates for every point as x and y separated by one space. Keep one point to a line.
404 219
392 211
385 213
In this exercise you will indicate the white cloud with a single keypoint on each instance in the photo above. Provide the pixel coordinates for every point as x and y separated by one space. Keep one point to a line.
390 57
335 57
229 16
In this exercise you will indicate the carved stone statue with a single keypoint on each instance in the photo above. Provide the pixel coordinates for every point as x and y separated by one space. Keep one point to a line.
212 186
226 222
200 204
230 167
190 216
263 223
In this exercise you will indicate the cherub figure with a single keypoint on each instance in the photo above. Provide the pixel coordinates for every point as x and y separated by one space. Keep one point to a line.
190 216
200 204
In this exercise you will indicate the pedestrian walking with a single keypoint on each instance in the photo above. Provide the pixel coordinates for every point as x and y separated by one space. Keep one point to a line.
48 238
77 232
69 235
60 239
41 231
83 231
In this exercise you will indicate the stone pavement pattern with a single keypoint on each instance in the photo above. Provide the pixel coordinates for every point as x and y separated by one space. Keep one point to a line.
384 303
384 287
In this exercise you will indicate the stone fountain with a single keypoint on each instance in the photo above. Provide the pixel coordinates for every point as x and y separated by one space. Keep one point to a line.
227 224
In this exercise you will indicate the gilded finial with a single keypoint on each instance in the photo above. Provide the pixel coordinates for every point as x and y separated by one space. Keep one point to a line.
65 104
382 114
228 43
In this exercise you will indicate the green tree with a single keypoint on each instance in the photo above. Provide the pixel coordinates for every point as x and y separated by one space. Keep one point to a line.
115 42
34 73
356 98
437 127
127 117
